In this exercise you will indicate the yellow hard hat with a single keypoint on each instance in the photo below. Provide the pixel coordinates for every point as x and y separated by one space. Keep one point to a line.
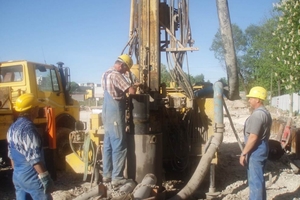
25 102
258 92
125 58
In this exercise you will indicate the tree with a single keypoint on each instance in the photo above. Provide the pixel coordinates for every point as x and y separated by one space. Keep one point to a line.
249 59
224 80
254 59
239 39
240 45
74 87
191 79
199 78
288 32
260 55
165 76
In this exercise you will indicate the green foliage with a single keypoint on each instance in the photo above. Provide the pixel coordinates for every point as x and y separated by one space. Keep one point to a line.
166 77
223 80
74 87
288 34
258 58
268 54
190 78
199 78
240 45
239 39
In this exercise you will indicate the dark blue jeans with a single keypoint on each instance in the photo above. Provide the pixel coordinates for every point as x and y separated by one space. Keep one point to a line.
29 187
256 165
26 181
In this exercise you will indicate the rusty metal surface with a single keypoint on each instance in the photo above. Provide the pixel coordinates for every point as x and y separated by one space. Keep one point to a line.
148 31
295 141
144 155
140 113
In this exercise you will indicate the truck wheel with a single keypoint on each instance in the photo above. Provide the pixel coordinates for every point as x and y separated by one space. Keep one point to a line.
63 147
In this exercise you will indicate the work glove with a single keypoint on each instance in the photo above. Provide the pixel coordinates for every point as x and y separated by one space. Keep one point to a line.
47 182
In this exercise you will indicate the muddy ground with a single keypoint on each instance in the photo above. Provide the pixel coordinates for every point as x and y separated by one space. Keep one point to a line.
282 178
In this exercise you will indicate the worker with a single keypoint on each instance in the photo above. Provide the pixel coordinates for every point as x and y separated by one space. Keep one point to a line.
115 87
255 153
30 176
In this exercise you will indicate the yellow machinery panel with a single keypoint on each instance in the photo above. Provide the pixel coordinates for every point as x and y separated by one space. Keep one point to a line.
96 128
74 164
206 106
5 122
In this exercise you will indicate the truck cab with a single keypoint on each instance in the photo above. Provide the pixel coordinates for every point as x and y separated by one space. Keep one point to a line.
50 84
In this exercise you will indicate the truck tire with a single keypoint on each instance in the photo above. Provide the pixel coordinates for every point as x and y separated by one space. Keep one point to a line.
63 147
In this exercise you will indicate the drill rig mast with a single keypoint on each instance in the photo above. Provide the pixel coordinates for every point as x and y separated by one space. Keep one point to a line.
158 27
180 122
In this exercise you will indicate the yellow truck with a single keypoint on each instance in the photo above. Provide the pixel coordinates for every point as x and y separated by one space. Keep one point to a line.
58 114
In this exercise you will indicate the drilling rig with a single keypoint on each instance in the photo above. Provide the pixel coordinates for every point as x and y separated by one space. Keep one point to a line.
154 29
178 124
176 127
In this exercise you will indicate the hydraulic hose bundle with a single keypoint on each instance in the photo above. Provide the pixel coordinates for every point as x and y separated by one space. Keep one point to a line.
85 149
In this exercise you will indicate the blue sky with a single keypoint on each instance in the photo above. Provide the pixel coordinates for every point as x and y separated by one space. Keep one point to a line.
89 35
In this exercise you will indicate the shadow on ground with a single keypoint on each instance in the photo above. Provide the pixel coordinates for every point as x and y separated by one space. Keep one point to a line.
288 196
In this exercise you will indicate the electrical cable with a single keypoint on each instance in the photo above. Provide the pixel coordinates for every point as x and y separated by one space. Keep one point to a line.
71 136
175 70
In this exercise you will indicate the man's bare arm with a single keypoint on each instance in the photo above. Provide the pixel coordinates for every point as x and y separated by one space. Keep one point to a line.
251 142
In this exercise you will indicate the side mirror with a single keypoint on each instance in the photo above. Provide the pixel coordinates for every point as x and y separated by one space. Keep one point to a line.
68 78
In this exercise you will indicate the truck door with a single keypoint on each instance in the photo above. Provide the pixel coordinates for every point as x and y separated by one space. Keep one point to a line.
48 86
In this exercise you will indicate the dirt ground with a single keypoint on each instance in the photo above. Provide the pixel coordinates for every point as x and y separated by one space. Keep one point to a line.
282 178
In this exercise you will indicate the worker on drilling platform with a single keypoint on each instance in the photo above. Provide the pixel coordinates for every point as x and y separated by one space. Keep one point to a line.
255 153
30 177
115 87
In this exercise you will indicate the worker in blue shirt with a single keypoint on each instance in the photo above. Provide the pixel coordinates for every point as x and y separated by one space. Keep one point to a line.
30 177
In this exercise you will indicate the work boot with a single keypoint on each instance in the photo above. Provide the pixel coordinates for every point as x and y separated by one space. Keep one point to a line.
107 183
106 180
118 182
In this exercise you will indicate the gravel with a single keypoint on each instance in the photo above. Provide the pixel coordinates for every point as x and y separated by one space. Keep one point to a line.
283 183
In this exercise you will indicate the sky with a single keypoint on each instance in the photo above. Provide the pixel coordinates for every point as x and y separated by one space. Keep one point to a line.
89 35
